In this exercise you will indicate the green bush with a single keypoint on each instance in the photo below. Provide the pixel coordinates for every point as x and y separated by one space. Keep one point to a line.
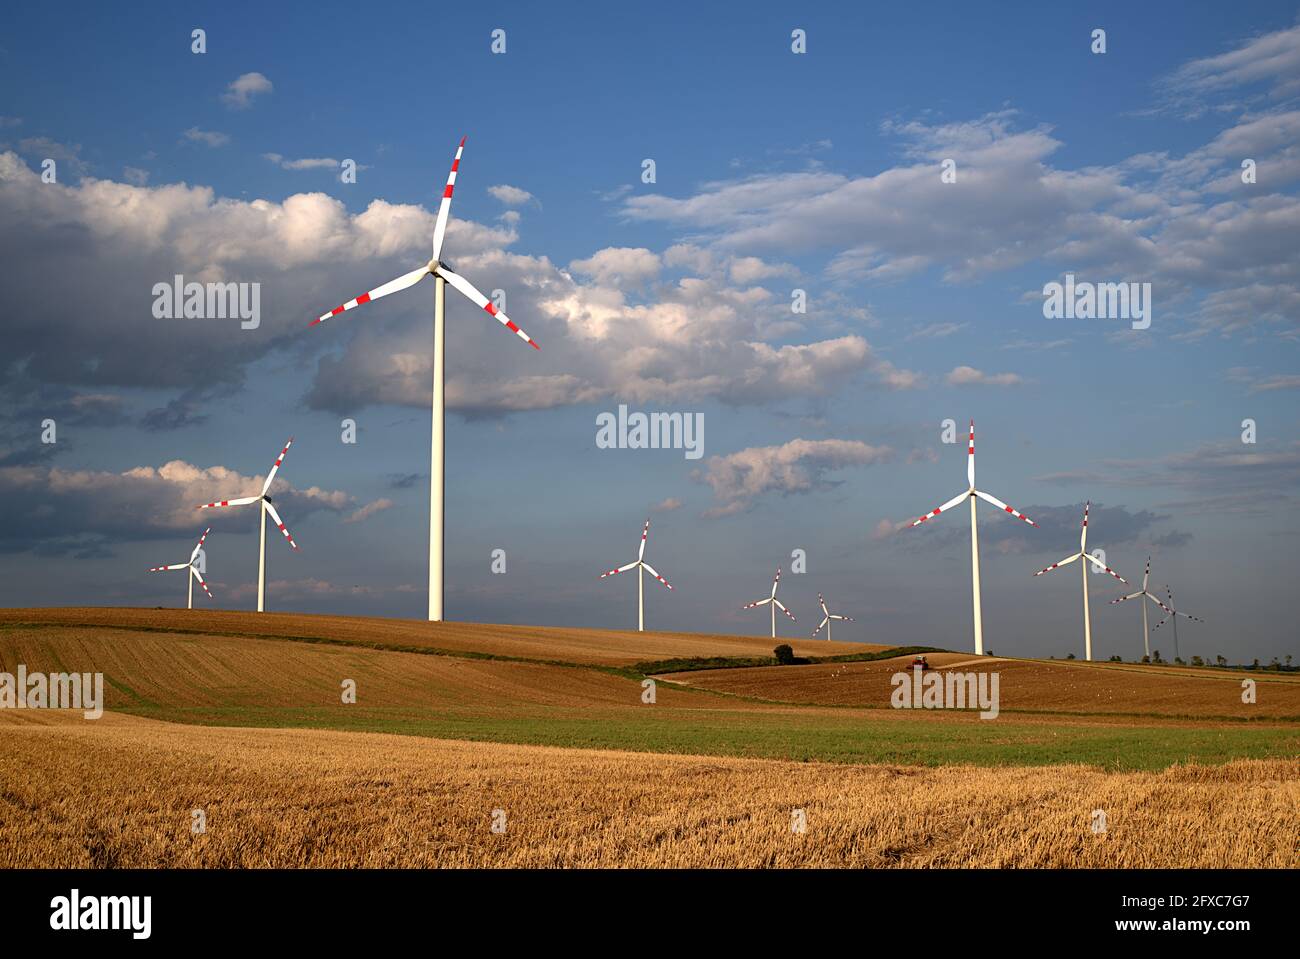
784 654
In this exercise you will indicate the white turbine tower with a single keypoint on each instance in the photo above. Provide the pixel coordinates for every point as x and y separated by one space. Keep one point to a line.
1146 634
639 565
194 554
266 507
442 274
774 603
1174 614
827 616
1083 568
971 494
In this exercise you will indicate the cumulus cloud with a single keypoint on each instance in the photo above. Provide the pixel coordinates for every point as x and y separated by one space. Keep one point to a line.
969 376
70 509
305 163
667 506
242 90
510 195
209 138
370 509
618 266
799 466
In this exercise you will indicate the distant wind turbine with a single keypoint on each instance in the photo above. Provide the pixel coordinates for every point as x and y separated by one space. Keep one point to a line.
194 555
1083 568
774 603
1143 592
639 565
971 494
827 616
266 507
442 274
1174 614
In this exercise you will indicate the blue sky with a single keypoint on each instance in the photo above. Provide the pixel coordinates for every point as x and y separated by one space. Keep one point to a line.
774 171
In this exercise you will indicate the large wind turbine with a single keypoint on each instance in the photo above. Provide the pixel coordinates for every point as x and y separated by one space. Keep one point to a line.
1174 614
971 494
639 565
194 554
442 274
774 602
1083 568
266 507
1146 634
827 616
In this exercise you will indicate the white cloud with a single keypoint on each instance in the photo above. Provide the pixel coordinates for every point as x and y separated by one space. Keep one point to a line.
370 509
307 163
799 466
667 506
510 195
206 137
969 376
243 89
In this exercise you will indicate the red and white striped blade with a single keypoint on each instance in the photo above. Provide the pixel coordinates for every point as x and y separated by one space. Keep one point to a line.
970 456
1153 599
444 208
1123 599
939 509
615 572
1100 565
784 610
760 602
472 293
819 628
1083 530
644 533
242 501
1065 562
1146 575
392 286
159 569
1195 619
199 545
199 577
1003 506
847 619
275 468
280 525
651 570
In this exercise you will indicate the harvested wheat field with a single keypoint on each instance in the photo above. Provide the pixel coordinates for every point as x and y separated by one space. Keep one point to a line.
121 794
596 646
1025 686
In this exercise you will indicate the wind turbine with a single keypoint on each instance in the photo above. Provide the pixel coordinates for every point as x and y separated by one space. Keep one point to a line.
192 568
442 274
1083 568
828 616
1174 614
639 565
774 602
266 507
1146 635
971 494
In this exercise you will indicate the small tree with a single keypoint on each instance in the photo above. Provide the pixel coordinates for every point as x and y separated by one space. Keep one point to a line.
1220 660
1146 659
1155 656
1070 656
1197 661
1116 659
784 654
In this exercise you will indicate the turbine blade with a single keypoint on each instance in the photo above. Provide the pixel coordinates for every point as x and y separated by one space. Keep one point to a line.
1003 506
1098 563
392 286
847 619
775 581
201 583
199 546
970 456
159 569
1128 597
784 610
822 603
444 208
469 290
761 602
615 572
275 468
946 506
644 533
280 524
651 570
1065 562
1083 530
1153 599
819 628
242 501
1146 575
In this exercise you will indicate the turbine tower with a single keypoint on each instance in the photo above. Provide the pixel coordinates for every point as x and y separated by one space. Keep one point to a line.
1146 634
827 616
1083 568
774 603
639 565
442 275
194 554
971 494
265 507
1174 614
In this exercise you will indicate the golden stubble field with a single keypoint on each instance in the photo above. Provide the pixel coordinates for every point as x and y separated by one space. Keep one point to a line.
121 794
